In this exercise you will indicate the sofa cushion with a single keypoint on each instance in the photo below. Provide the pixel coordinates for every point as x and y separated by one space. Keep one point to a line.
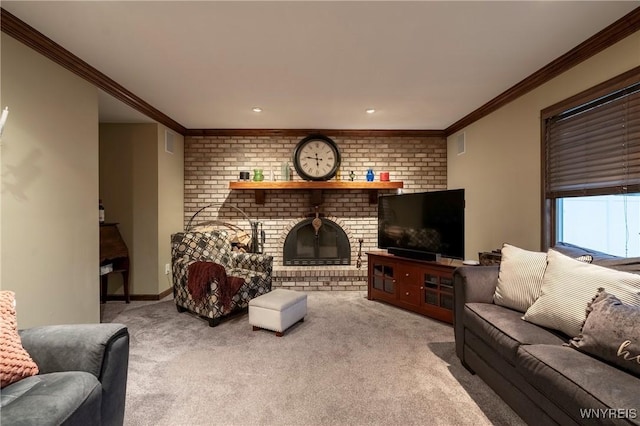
568 285
611 332
576 381
72 397
627 264
252 261
503 330
520 277
575 251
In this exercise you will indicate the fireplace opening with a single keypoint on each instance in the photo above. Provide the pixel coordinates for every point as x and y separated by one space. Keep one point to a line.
329 245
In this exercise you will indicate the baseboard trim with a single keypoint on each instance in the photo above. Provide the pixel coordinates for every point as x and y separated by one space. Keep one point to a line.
141 297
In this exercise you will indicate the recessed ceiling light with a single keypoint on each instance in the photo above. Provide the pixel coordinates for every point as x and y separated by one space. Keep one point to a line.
257 109
370 110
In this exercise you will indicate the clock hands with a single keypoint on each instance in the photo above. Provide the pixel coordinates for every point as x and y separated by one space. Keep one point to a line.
315 158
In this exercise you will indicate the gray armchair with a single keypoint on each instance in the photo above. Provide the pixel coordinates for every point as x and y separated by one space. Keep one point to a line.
82 379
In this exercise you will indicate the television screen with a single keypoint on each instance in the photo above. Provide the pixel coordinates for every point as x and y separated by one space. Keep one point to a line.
430 222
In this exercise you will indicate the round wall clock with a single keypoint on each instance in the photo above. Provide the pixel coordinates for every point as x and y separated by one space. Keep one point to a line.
316 157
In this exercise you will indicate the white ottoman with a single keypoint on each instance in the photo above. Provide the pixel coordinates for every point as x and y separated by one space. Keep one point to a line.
277 310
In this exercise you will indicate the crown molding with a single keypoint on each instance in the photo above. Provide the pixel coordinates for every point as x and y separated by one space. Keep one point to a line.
31 37
306 132
618 82
28 35
619 30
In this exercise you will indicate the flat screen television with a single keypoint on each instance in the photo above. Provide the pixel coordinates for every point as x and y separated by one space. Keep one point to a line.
422 225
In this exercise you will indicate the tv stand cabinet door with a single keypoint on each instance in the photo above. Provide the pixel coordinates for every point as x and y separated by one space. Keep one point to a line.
437 295
382 279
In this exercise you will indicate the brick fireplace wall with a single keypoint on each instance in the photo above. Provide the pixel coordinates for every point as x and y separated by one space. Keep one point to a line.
211 162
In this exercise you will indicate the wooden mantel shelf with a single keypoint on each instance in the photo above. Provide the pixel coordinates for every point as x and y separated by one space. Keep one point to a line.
315 187
332 184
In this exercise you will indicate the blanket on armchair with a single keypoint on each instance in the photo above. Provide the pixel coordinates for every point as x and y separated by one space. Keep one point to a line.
202 273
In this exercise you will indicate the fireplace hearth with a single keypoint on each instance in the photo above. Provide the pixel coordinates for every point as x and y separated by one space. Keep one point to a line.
326 243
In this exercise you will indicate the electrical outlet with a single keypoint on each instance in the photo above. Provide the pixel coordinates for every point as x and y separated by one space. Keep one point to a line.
167 269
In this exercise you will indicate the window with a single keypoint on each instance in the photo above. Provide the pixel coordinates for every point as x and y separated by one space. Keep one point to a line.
591 168
607 223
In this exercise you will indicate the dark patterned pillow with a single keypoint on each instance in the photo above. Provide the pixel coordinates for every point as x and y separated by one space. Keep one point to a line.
611 332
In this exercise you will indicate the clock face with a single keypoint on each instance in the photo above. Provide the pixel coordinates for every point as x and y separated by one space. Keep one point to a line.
316 158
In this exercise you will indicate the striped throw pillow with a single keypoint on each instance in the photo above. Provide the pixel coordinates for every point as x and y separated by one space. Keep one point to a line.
520 277
568 285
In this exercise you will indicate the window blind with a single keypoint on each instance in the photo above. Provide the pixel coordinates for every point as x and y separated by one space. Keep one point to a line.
594 149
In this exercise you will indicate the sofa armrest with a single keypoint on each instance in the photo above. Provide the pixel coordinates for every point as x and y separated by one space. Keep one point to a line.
471 284
78 347
99 349
179 271
252 261
475 284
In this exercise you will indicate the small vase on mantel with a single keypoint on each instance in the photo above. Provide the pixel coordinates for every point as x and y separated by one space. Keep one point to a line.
285 172
370 175
258 176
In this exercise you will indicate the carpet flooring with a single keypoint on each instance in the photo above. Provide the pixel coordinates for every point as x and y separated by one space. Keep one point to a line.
351 362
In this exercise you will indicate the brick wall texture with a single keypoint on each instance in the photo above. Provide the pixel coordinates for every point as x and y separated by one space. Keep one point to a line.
212 162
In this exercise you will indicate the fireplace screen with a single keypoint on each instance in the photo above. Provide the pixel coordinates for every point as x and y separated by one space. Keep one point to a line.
329 246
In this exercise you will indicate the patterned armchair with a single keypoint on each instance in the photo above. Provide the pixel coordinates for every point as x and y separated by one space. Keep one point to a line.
249 272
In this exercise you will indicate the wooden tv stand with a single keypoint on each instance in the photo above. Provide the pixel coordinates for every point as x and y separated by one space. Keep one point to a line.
420 286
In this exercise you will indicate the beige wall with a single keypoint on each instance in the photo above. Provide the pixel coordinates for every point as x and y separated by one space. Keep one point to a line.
128 189
501 167
49 190
141 187
170 201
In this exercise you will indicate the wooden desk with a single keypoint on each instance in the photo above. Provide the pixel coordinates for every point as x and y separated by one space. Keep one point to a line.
113 250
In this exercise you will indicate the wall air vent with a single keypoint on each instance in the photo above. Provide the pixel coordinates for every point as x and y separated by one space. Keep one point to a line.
461 142
168 141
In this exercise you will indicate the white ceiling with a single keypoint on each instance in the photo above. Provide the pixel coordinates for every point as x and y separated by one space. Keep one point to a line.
315 64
